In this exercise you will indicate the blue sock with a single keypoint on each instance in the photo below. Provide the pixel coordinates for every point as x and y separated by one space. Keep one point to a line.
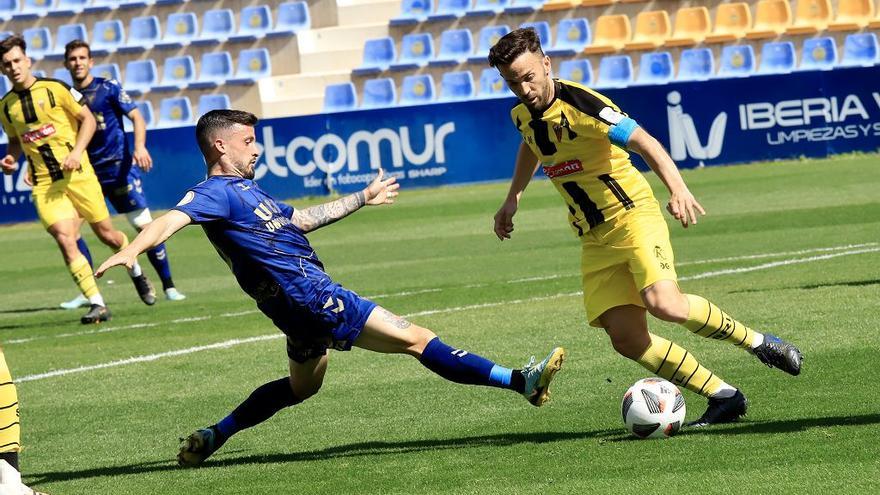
159 259
84 249
262 404
463 367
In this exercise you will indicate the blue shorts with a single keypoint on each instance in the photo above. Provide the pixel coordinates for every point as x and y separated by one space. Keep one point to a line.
125 193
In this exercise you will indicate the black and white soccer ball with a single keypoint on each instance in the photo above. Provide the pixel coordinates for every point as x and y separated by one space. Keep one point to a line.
653 408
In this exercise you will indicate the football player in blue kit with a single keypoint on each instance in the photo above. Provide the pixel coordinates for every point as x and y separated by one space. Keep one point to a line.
112 160
263 242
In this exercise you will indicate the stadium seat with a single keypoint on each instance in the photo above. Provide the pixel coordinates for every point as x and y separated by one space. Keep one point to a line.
254 23
732 20
39 42
107 71
293 17
860 49
62 74
810 17
524 6
217 26
32 9
655 68
577 70
448 10
489 35
818 54
143 33
215 69
543 30
379 93
772 18
777 58
572 35
66 8
611 33
100 6
40 74
456 46
852 15
146 109
413 12
5 86
379 54
219 101
340 97
492 85
737 61
417 89
692 25
615 71
875 21
253 64
696 64
457 85
177 73
180 29
65 34
175 111
416 49
8 8
652 29
107 37
487 7
140 76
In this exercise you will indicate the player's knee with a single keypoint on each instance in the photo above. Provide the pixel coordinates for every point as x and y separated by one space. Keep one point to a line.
667 306
303 389
139 218
420 338
626 345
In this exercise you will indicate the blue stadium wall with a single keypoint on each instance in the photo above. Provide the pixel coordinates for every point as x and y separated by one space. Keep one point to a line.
724 121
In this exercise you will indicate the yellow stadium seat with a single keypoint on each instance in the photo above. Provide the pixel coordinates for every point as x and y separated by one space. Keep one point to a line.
596 3
772 18
652 29
611 33
811 17
692 25
852 15
732 20
552 5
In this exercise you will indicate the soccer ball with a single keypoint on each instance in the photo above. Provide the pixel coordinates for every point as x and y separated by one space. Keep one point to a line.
653 408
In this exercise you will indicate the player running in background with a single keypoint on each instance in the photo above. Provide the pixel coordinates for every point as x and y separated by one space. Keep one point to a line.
110 156
46 120
580 138
264 244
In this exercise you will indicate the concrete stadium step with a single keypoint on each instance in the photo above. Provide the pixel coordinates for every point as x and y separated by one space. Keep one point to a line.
340 37
360 11
280 88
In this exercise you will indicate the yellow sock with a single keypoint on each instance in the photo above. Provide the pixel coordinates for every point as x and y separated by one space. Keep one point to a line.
707 320
83 276
669 361
10 430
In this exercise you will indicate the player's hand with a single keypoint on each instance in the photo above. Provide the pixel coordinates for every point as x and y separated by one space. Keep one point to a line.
72 162
381 191
142 159
684 207
120 258
504 219
28 180
8 164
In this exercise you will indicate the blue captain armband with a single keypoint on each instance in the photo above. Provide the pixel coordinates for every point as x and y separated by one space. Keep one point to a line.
620 132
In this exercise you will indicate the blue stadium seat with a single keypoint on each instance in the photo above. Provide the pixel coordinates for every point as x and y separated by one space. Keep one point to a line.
417 89
413 12
416 49
487 7
219 101
578 70
253 64
65 34
143 33
146 109
177 73
655 68
180 29
293 17
457 86
69 8
254 23
62 74
543 30
5 86
107 71
175 111
340 97
33 9
818 54
615 71
140 76
448 10
737 61
8 8
217 26
39 42
107 37
492 85
860 49
40 73
572 35
696 64
99 6
215 69
456 46
379 93
379 54
489 35
524 6
777 58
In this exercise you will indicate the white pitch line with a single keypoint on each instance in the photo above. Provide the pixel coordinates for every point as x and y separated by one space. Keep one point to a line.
781 253
774 264
404 293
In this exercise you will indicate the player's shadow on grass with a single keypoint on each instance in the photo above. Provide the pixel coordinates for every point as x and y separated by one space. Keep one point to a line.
29 310
786 425
846 283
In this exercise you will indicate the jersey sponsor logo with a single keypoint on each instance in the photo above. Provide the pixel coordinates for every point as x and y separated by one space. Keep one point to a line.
38 134
684 141
187 198
563 169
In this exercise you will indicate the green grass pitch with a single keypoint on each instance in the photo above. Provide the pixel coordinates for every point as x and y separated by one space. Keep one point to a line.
790 247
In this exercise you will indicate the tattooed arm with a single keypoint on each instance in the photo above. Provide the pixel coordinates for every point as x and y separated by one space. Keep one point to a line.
380 191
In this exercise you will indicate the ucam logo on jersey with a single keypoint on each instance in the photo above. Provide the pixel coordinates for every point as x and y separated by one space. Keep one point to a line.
563 169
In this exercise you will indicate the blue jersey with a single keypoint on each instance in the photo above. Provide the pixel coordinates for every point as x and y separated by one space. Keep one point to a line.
108 149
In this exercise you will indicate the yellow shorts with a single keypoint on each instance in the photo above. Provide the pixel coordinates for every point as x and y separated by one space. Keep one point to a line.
78 192
622 256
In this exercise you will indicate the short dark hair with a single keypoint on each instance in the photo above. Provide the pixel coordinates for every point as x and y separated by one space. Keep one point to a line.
220 119
12 42
73 45
514 44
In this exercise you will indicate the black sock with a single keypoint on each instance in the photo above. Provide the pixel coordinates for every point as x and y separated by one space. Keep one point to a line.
11 458
518 381
262 404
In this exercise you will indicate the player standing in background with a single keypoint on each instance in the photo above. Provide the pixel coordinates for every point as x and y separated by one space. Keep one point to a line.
110 156
46 120
581 137
264 244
